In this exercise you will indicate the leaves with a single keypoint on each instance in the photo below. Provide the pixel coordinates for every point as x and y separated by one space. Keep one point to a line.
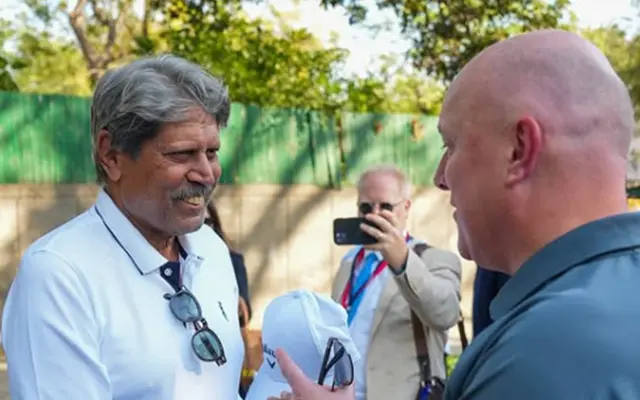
262 63
623 53
271 64
51 65
446 34
7 83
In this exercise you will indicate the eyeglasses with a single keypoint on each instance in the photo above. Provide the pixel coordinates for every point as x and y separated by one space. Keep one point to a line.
205 343
336 357
367 208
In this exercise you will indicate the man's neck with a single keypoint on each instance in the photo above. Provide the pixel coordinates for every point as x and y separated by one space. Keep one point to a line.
164 244
540 235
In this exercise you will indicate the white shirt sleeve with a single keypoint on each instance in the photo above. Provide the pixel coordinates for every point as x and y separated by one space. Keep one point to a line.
50 334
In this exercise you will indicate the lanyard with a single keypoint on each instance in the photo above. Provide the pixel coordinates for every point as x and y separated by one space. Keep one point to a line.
348 296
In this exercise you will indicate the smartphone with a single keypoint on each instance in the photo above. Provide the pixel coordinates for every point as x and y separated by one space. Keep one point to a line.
347 232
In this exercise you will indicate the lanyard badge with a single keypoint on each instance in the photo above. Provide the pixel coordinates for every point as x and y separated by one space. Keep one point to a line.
425 391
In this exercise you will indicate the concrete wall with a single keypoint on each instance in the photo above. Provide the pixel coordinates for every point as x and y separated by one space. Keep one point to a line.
285 232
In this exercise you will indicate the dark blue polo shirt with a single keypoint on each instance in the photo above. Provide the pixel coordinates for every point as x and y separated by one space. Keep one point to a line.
566 325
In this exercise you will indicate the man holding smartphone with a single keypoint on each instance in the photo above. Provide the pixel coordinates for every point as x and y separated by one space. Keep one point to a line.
382 284
537 130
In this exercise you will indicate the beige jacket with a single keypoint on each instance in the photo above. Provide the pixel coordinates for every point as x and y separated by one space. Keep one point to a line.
430 286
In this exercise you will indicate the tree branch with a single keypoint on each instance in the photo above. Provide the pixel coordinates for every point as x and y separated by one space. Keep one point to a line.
78 22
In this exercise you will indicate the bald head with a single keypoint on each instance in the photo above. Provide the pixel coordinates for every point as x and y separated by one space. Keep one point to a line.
543 124
555 76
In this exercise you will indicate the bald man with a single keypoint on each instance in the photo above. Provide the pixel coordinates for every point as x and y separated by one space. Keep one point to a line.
543 124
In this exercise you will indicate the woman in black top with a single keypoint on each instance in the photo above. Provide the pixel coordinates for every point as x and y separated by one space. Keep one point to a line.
213 220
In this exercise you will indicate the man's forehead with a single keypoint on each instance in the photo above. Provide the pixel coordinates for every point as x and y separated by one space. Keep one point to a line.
201 131
448 125
379 184
450 114
461 110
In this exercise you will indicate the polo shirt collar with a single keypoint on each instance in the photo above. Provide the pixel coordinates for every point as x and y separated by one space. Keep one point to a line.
143 255
589 241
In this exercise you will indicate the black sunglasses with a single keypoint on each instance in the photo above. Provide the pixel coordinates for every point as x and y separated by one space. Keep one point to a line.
367 208
205 343
336 357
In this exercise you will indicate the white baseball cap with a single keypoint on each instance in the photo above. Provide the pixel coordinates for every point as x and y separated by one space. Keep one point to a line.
301 323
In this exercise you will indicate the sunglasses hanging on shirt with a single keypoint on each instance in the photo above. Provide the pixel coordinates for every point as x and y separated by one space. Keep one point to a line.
205 343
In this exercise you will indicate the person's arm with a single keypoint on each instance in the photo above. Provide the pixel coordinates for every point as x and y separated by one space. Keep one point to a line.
50 336
240 270
431 285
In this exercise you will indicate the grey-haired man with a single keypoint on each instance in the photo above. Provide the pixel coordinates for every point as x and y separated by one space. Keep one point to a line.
135 299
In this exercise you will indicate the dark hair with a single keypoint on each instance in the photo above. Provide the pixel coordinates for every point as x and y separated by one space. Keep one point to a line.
213 220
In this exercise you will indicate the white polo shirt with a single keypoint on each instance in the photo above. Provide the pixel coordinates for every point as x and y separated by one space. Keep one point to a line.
86 319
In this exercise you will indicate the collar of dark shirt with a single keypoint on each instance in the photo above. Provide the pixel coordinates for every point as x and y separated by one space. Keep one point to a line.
577 247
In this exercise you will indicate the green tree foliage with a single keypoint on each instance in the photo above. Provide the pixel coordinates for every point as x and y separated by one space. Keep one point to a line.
104 32
446 34
8 62
66 45
50 65
268 64
623 51
7 83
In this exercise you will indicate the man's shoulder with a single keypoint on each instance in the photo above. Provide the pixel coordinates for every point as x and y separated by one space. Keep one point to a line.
207 244
565 323
80 235
548 329
55 258
427 251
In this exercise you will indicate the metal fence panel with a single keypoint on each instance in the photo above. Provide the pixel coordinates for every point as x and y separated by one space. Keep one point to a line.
46 139
409 141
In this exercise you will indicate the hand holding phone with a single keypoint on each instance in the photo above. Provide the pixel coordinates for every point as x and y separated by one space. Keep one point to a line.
347 232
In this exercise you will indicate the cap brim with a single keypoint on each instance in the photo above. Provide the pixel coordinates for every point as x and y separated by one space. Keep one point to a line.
263 386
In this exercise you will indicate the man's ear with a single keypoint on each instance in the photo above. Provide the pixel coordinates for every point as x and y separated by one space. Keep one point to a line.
407 205
525 152
107 156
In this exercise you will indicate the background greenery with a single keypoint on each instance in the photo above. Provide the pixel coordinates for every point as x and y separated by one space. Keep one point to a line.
64 46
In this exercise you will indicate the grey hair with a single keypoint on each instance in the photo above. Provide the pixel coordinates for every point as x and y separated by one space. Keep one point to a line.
388 169
134 101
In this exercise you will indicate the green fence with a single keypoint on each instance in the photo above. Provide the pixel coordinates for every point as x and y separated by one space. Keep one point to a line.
46 139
